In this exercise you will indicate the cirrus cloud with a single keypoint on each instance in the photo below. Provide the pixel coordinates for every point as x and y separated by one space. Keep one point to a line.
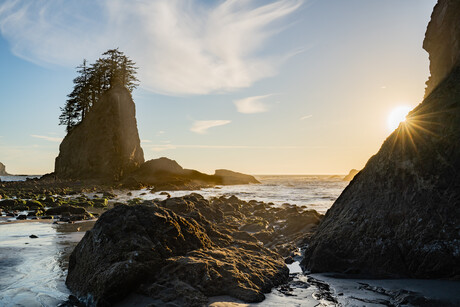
182 47
251 105
306 117
202 126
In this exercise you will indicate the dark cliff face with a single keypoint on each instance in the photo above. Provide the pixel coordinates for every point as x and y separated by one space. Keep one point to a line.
106 144
400 215
442 41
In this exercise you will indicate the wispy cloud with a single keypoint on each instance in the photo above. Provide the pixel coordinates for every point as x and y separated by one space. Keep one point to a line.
306 116
47 138
181 47
146 141
202 126
251 105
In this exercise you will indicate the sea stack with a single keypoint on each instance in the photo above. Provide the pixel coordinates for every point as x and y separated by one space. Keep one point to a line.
400 215
351 175
3 170
106 144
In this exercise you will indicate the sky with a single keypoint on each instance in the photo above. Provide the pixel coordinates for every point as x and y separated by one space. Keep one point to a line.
261 87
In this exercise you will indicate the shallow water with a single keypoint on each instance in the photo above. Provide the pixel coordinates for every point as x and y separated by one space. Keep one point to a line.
33 271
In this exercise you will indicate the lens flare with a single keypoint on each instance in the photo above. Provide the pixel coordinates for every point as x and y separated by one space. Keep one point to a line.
397 116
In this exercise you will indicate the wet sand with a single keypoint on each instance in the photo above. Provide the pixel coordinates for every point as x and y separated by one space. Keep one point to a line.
33 271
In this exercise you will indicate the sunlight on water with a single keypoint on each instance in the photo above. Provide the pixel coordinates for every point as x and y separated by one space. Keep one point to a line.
32 271
316 192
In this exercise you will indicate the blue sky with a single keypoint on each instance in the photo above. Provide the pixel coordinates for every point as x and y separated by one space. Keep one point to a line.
263 87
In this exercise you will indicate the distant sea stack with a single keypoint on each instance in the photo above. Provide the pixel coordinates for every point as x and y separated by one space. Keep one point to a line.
400 216
351 175
3 170
106 144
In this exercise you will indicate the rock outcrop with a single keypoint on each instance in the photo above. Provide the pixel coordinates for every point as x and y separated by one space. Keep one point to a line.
167 174
231 177
400 215
105 145
3 170
442 41
183 250
351 175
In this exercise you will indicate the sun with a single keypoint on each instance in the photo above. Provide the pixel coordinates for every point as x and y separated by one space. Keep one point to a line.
397 116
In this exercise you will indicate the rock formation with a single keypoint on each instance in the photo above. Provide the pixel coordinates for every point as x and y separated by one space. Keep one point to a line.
231 177
105 145
442 41
3 170
400 215
167 174
351 175
182 250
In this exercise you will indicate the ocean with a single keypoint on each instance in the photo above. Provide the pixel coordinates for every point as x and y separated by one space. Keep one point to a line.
316 192
33 271
18 177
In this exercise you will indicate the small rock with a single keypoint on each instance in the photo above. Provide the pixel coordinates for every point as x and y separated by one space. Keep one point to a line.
166 193
33 237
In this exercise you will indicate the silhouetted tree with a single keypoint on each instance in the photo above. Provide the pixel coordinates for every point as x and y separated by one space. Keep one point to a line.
69 115
93 80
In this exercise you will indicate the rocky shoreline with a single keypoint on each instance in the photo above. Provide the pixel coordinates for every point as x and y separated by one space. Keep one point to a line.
240 248
186 249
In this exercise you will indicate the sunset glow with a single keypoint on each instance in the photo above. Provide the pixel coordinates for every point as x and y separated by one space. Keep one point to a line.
260 87
397 116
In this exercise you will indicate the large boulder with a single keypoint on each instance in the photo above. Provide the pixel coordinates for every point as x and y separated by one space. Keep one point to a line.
400 215
3 170
161 165
125 248
105 145
181 251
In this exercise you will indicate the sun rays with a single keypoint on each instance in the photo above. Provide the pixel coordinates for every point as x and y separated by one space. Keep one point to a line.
415 130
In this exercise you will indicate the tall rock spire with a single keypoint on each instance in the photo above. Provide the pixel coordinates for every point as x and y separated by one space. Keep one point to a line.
106 144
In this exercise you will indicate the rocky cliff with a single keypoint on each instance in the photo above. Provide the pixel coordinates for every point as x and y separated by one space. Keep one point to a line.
105 145
3 170
400 215
442 41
